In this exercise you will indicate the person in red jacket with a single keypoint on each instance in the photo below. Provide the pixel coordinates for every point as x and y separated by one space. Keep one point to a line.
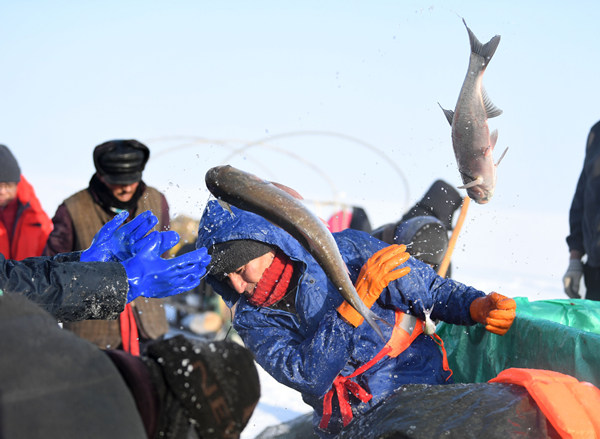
24 226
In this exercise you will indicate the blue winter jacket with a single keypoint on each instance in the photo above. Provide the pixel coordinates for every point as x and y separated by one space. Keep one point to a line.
308 349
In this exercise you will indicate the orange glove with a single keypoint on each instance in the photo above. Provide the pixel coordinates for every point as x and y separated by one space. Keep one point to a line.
495 311
374 276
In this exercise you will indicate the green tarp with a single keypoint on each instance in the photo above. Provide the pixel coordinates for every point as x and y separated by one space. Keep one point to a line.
559 335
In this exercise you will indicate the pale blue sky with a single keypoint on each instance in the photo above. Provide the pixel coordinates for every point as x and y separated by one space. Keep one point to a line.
216 76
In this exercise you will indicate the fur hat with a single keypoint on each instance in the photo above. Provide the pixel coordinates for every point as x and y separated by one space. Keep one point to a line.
9 168
230 255
121 161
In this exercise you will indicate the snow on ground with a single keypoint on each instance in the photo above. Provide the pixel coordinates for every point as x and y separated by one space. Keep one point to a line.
278 403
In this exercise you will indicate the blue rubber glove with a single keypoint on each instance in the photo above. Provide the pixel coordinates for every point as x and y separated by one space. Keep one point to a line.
149 275
116 243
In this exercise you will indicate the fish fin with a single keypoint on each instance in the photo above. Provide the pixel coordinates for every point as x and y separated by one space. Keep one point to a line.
487 50
470 184
449 114
501 157
490 109
493 138
371 317
226 206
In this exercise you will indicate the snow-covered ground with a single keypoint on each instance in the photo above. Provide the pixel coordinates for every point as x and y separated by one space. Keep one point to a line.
518 254
278 404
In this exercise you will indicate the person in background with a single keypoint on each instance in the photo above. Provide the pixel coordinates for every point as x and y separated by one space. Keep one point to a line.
423 228
584 225
24 226
116 186
425 237
301 331
356 219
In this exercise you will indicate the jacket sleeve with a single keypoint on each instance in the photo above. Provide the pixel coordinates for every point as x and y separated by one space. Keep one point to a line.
62 237
68 289
307 364
420 290
575 238
423 290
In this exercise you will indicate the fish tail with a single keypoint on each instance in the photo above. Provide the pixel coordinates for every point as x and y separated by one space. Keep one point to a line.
487 50
371 319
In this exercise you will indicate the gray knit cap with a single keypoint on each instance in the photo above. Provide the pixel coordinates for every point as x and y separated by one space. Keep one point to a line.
9 168
230 255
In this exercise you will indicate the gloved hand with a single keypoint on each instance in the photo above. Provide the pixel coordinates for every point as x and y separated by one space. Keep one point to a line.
116 243
572 278
374 276
495 311
149 275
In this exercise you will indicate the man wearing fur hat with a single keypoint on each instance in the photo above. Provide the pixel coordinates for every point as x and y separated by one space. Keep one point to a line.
24 226
116 186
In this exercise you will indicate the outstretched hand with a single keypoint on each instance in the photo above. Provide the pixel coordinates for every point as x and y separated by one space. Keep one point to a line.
150 275
118 242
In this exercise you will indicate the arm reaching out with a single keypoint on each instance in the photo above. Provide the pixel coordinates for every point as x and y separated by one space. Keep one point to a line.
149 275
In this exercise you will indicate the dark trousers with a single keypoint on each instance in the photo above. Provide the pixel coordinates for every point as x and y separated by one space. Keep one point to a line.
591 276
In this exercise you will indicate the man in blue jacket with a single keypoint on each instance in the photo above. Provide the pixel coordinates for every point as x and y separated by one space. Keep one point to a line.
292 317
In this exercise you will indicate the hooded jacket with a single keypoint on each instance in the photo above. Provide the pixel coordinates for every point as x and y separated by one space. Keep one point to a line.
31 229
307 349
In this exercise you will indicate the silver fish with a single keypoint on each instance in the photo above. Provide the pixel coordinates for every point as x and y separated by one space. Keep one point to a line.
471 139
279 206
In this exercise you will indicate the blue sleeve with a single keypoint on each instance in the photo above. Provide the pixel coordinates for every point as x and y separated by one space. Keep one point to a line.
419 290
307 364
422 289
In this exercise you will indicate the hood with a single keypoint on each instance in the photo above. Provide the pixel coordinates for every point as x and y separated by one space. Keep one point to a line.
219 225
26 195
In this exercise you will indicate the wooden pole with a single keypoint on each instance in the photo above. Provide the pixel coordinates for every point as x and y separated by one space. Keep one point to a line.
454 237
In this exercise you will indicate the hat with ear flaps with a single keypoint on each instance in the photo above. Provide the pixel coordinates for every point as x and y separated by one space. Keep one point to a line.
230 255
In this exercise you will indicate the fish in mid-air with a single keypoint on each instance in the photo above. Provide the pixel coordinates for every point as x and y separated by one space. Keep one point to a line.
471 139
281 206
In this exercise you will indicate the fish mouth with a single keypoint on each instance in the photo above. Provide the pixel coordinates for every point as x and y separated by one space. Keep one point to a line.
479 195
475 188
